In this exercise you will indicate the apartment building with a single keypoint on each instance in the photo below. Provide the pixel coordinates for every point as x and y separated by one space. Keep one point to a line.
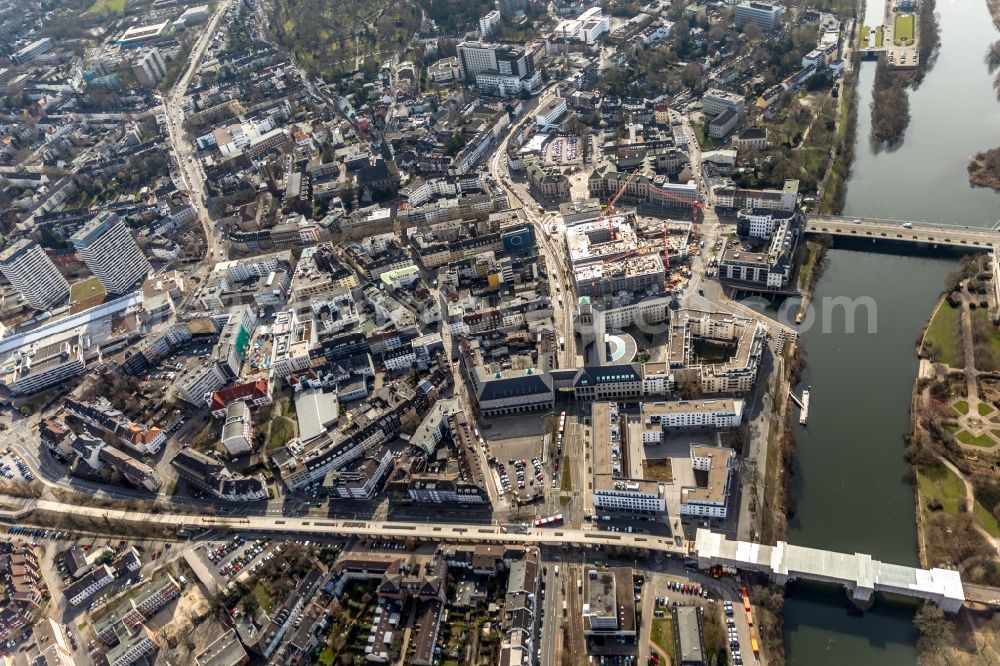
27 267
107 247
237 432
28 53
135 648
613 489
759 223
91 583
712 499
658 417
149 68
130 614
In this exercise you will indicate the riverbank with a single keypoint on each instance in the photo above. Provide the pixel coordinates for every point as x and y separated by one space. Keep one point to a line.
954 488
811 263
984 169
891 104
777 501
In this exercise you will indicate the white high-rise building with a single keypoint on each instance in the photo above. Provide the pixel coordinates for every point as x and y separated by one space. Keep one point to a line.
149 68
33 274
107 247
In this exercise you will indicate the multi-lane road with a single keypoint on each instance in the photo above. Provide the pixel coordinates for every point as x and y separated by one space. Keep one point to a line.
187 164
563 304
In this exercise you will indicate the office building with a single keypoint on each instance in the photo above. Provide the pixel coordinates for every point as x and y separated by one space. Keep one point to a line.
766 15
771 269
609 604
33 274
31 51
497 69
107 247
759 224
149 68
716 101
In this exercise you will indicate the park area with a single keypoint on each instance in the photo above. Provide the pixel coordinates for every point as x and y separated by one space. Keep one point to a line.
902 29
941 341
107 6
940 488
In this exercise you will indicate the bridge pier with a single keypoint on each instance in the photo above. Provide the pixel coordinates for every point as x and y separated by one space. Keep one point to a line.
863 598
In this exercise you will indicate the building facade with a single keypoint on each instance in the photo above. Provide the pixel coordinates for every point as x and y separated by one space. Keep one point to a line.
33 274
107 247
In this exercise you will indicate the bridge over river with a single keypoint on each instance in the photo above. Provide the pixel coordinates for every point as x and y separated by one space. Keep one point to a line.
922 233
859 573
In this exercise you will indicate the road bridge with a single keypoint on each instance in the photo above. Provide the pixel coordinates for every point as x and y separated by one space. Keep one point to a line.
922 233
861 575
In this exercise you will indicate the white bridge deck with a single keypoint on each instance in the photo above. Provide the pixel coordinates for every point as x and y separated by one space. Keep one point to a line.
859 573
974 238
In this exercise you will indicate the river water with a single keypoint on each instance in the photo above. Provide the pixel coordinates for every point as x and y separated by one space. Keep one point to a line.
849 472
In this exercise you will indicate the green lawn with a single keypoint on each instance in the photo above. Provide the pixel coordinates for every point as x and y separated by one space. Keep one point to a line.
967 437
102 6
961 407
986 519
662 633
879 36
942 337
952 427
902 29
85 289
567 476
263 598
940 483
985 409
282 430
863 40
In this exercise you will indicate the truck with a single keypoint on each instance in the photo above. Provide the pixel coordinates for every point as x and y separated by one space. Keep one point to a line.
562 343
755 645
907 225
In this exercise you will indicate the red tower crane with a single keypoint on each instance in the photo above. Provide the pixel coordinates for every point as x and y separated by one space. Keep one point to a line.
618 195
695 207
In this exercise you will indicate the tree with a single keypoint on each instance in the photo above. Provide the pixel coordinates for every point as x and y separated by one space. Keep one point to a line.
935 629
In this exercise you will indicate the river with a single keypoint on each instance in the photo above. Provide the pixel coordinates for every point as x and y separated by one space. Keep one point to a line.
849 472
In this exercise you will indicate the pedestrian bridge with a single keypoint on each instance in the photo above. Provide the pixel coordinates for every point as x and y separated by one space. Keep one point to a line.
923 233
858 573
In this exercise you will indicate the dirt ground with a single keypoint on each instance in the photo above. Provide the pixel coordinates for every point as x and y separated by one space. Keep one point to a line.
186 627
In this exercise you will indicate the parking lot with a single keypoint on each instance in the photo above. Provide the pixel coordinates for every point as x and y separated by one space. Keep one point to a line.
12 468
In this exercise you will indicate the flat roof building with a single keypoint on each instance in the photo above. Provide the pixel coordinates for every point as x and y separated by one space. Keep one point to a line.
766 15
33 274
689 644
107 247
608 603
31 51
710 497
